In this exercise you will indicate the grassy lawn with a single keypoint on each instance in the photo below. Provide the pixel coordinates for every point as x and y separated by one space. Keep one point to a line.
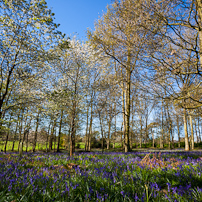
38 146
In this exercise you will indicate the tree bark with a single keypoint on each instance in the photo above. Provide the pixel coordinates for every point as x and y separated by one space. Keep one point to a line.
153 139
185 131
178 130
73 128
7 134
36 131
128 91
59 134
199 12
27 133
91 125
140 131
47 137
192 132
86 139
124 115
51 135
101 131
114 136
15 135
162 130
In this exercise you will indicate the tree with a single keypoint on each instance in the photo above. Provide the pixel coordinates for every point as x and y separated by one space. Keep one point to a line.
27 31
71 68
180 56
120 37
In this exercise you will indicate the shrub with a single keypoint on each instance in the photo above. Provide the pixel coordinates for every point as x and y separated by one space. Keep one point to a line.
95 143
78 146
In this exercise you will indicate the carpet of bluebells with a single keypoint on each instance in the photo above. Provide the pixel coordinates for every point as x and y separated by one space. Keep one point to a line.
137 176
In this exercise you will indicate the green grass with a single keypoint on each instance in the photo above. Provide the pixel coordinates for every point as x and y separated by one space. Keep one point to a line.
38 146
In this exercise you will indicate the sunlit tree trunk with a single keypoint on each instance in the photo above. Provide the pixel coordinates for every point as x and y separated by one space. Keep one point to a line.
114 136
27 133
195 128
178 130
124 116
86 138
51 135
109 127
121 134
199 12
153 141
140 130
47 137
36 131
102 134
162 130
192 132
170 128
128 92
20 134
15 134
7 134
90 126
199 128
73 129
20 128
132 124
186 138
59 134
109 132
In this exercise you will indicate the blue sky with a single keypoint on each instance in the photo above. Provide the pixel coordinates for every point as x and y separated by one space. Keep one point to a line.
75 16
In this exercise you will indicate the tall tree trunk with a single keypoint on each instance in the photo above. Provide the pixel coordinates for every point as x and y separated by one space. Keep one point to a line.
195 127
86 139
114 136
24 132
153 141
186 138
199 13
59 134
20 133
101 131
162 130
54 138
170 127
7 134
192 132
146 130
20 128
140 131
51 135
178 130
73 128
36 131
199 128
121 134
27 141
109 131
15 135
27 133
91 125
132 124
127 140
124 115
47 137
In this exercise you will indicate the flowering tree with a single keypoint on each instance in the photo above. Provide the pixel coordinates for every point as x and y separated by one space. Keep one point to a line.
27 32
